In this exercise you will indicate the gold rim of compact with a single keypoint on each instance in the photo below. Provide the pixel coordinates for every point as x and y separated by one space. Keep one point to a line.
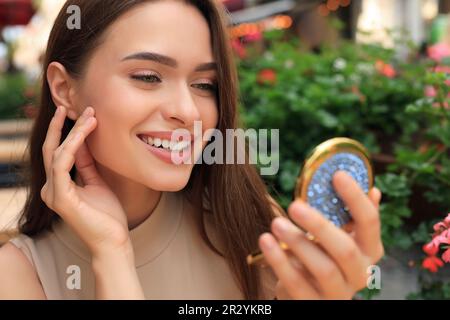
316 158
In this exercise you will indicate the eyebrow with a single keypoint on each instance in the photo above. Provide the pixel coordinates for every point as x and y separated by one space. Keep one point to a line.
168 61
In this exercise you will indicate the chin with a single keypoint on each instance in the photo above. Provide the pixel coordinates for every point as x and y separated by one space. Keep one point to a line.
173 181
171 186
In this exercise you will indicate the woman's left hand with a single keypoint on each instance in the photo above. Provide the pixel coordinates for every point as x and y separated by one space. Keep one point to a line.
334 267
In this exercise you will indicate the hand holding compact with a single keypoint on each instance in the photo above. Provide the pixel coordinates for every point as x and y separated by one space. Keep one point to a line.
334 266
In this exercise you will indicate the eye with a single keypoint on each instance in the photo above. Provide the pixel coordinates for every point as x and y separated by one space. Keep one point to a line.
148 77
207 86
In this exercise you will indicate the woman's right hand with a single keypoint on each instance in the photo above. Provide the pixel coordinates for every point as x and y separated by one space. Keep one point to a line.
93 210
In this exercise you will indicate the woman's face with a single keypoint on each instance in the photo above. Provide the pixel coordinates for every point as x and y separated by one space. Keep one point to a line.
133 94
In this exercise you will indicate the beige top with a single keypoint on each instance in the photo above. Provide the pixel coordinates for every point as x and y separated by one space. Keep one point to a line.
172 260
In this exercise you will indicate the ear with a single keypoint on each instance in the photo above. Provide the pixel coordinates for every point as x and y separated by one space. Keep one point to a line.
62 88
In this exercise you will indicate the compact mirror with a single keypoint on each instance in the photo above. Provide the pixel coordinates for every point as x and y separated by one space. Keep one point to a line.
314 183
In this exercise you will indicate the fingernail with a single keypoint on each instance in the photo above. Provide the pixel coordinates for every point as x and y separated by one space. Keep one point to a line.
88 111
58 111
299 206
90 121
268 243
300 209
281 225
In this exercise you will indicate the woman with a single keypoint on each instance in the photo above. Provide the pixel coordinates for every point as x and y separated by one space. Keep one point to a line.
106 218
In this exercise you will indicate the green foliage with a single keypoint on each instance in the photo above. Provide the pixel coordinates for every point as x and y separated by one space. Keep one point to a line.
12 87
431 290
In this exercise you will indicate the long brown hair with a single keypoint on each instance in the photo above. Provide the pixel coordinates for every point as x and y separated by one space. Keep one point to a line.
235 195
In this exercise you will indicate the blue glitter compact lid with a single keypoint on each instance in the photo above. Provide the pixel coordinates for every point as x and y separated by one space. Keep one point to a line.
314 184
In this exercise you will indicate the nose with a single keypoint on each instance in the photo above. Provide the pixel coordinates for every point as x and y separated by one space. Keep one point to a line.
183 109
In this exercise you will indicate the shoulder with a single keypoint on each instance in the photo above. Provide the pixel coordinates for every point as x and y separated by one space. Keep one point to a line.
17 275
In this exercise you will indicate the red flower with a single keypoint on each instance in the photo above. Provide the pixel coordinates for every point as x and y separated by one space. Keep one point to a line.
432 263
385 69
389 71
268 76
239 48
431 249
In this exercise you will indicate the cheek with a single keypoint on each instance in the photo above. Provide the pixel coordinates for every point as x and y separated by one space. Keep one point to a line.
115 101
118 110
209 116
209 120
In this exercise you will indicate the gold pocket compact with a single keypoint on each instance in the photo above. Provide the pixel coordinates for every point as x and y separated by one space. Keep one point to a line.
314 184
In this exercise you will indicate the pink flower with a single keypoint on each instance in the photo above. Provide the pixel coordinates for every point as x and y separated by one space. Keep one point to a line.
445 105
446 256
255 36
430 91
439 227
431 249
438 51
442 69
441 237
447 221
432 263
445 236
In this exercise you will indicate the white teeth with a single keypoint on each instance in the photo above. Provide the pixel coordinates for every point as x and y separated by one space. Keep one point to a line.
157 142
166 144
181 145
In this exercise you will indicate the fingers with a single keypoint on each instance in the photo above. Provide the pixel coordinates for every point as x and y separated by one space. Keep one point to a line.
375 197
64 158
53 137
294 282
364 213
85 165
80 124
281 292
339 270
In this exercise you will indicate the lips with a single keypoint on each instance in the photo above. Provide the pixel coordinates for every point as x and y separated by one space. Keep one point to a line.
167 146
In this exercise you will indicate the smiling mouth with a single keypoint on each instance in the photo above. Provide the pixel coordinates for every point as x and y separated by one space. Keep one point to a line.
164 144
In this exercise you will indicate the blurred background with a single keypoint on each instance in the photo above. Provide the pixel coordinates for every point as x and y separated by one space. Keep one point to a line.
373 70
